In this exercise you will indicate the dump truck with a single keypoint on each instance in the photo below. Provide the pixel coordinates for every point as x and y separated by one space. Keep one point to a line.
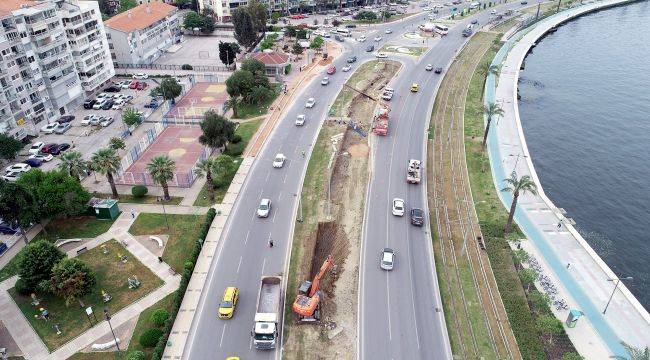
414 172
267 315
380 126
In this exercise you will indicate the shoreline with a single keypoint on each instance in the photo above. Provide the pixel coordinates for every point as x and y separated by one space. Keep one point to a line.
523 40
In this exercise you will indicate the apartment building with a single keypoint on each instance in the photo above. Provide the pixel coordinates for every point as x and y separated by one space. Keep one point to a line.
51 53
142 34
223 9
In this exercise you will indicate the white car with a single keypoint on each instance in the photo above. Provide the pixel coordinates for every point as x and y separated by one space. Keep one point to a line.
346 68
42 157
388 31
119 104
264 209
278 162
378 38
102 96
398 207
98 105
87 120
36 147
429 67
106 122
493 12
140 76
387 259
49 128
300 120
125 84
310 103
381 55
325 81
19 167
11 176
362 38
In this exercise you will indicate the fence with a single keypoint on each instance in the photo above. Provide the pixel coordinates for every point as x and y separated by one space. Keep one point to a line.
209 68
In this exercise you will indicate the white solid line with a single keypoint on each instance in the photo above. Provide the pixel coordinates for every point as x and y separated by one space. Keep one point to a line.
246 240
284 179
238 265
280 196
250 345
275 212
390 333
268 174
263 265
222 333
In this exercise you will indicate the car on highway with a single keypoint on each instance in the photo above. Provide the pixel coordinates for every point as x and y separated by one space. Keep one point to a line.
474 21
264 209
140 76
310 103
106 122
36 147
346 68
438 70
387 259
62 128
370 48
415 87
331 70
34 162
398 207
381 55
19 167
524 2
228 302
42 157
448 4
12 176
417 217
388 31
493 12
429 67
278 162
352 59
300 120
362 38
325 80
49 128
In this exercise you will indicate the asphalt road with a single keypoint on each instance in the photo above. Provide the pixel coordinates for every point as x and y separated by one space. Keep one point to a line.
243 255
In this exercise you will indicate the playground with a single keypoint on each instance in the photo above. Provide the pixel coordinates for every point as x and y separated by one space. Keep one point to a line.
203 96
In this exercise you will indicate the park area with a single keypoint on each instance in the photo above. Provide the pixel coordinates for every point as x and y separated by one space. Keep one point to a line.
202 97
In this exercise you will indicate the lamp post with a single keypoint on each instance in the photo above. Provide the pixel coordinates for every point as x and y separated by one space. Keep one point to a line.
616 281
108 320
162 201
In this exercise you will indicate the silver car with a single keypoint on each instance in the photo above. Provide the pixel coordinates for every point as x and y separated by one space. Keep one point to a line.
62 128
387 259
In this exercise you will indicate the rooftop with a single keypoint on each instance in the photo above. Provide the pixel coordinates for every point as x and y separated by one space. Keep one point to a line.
140 17
7 6
271 58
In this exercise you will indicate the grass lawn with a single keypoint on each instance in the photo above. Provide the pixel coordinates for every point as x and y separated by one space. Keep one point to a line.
144 323
247 129
184 231
111 276
147 199
405 50
247 111
10 269
75 227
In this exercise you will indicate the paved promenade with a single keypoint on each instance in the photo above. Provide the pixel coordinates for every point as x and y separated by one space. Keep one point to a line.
564 256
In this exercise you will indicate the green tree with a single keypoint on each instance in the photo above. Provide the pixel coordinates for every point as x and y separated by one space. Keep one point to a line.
170 89
259 14
541 301
527 277
136 355
366 16
290 31
520 257
9 147
572 356
240 83
634 352
228 52
550 326
127 5
317 43
35 262
217 130
275 16
193 20
260 95
106 162
205 168
336 23
244 31
73 164
491 110
208 25
72 279
56 193
181 3
159 317
162 169
116 143
296 49
131 116
223 165
254 66
517 186
18 206
231 104
301 34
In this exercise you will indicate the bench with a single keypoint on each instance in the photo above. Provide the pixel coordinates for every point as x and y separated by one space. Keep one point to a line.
104 346
60 243
156 239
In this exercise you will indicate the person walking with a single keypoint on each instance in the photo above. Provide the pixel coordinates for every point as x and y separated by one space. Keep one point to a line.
303 154
132 214
568 265
270 242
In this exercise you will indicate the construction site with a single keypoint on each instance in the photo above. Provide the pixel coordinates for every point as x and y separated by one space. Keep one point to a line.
324 267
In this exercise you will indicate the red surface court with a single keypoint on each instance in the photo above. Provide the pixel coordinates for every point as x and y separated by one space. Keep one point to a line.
202 97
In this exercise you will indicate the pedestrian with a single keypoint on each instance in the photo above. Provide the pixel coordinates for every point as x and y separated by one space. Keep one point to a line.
303 154
73 144
559 225
270 242
160 260
568 265
132 213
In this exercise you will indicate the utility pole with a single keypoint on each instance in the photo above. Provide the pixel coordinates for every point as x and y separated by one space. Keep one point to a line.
617 281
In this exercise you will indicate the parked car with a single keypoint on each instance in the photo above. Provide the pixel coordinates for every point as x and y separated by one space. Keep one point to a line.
8 229
49 128
325 80
125 84
11 176
62 128
113 89
42 157
106 122
398 207
60 148
134 84
300 120
19 167
36 147
141 86
339 38
278 162
88 119
417 217
33 162
103 95
310 103
47 148
264 209
140 76
66 119
346 68
107 105
387 259
152 105
118 104
100 104
97 120
350 26
88 104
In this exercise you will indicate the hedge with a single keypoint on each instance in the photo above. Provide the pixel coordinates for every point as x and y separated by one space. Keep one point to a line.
185 279
139 191
150 337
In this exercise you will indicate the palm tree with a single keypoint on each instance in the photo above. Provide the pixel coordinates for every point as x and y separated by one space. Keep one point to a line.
73 163
232 103
634 352
162 169
517 186
491 109
205 168
106 162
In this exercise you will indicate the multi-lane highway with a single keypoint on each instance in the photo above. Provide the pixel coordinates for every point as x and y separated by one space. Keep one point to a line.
397 315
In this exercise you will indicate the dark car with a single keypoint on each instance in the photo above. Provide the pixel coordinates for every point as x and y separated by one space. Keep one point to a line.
60 148
339 38
350 26
370 48
65 119
352 59
88 104
7 229
417 217
524 2
47 148
107 105
33 162
438 70
113 88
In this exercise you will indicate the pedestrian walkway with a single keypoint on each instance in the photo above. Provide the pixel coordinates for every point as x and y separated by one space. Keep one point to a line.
31 344
161 209
18 243
581 275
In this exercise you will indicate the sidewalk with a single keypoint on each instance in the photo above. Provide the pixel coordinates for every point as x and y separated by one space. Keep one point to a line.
584 284
160 209
17 243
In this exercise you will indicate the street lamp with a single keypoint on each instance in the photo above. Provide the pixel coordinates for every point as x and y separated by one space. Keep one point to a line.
108 320
617 281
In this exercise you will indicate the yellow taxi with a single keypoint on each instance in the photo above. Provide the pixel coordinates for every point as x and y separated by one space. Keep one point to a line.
415 87
233 358
228 302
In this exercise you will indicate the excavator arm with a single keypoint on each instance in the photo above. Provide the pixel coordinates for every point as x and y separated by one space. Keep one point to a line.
323 269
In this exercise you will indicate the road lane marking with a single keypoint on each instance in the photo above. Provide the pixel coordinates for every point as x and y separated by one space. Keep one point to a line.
284 179
274 213
268 174
280 196
238 265
246 240
264 262
250 344
390 333
222 333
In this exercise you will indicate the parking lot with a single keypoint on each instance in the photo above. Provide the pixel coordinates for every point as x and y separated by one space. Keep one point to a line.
196 50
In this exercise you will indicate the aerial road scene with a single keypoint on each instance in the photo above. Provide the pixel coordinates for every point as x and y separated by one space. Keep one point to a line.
355 180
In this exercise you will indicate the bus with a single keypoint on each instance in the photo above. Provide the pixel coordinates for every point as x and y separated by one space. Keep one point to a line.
344 32
441 29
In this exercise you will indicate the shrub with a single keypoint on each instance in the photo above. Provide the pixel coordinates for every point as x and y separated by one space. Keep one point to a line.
136 355
159 317
150 337
235 149
186 67
21 287
235 139
139 191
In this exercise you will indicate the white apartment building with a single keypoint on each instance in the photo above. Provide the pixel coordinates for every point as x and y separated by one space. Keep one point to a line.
142 34
222 9
42 74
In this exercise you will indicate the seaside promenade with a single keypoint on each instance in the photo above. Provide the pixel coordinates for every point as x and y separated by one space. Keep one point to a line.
581 277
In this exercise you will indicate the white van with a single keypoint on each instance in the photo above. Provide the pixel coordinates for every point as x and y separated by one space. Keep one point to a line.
474 5
344 32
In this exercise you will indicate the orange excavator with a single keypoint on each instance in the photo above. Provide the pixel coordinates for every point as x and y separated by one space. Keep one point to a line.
307 304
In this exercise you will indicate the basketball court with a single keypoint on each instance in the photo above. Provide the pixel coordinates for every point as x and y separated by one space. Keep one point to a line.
202 97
